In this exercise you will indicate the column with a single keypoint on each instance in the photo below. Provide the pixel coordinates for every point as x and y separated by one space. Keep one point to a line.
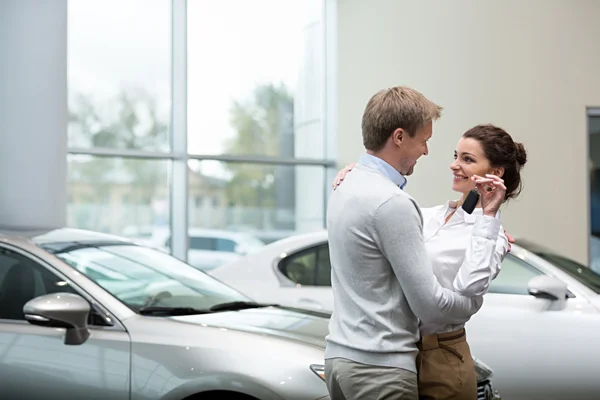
33 113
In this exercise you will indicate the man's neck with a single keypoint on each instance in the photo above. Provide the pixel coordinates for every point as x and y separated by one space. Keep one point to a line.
384 157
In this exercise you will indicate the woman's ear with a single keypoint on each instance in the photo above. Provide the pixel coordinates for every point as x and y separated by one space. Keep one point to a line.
498 172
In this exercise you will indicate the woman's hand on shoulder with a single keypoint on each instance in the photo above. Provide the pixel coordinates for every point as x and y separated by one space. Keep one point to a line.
337 181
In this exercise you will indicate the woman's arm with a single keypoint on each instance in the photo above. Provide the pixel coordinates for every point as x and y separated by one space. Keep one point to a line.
483 259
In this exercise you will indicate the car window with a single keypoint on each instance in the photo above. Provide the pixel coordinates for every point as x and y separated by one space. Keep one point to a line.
323 267
21 280
514 277
225 245
202 243
309 267
141 276
583 274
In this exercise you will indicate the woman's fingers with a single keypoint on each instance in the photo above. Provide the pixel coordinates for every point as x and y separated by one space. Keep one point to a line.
341 175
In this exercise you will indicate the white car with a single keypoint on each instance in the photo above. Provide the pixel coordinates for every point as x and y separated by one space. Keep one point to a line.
207 248
212 248
538 330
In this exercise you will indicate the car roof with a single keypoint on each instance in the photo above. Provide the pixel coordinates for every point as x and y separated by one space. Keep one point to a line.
62 236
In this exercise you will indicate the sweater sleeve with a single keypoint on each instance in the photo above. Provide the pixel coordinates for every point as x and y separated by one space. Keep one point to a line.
399 234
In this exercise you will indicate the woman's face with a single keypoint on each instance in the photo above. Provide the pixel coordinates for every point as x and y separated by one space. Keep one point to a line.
469 160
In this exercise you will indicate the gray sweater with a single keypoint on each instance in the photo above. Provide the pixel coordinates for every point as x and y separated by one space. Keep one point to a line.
381 276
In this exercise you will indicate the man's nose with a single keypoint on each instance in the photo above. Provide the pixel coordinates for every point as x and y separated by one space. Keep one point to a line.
426 151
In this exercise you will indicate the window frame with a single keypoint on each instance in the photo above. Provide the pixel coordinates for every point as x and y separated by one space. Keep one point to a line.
111 322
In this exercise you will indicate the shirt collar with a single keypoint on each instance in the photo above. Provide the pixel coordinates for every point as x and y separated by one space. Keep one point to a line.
468 218
383 167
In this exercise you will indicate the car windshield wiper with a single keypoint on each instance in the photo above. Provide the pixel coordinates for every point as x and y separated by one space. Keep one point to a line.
239 305
171 311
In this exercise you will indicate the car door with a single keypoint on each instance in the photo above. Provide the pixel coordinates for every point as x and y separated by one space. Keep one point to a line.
308 279
35 363
536 347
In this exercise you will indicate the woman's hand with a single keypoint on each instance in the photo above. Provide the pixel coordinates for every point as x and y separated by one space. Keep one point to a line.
341 175
492 192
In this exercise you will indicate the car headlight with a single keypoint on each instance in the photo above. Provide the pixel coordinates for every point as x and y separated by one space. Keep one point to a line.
483 371
319 370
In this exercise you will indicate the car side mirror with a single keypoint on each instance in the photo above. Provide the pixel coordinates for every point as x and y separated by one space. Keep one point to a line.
546 287
61 310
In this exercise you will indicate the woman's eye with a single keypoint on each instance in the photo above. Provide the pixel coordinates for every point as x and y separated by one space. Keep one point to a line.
468 159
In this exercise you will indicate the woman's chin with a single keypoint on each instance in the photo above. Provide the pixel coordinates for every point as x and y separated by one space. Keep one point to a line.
460 187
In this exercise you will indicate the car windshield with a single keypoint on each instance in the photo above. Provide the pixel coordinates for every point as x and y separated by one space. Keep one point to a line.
142 277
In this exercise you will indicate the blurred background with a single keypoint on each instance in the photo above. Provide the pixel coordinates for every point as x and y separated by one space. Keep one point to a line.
211 128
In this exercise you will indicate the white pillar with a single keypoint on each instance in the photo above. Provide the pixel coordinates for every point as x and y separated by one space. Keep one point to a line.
309 134
33 113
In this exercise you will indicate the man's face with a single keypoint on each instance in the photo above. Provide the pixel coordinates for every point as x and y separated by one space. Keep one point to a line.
412 148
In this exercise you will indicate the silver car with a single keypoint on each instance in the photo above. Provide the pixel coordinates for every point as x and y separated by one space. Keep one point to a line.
91 316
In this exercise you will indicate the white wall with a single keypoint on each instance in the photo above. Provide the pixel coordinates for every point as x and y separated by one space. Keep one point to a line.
531 67
33 113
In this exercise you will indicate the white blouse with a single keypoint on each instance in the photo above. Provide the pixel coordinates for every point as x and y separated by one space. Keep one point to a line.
462 262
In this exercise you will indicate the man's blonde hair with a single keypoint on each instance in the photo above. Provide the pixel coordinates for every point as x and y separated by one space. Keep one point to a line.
393 108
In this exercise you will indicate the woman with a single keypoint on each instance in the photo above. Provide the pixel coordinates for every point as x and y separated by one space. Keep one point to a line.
444 363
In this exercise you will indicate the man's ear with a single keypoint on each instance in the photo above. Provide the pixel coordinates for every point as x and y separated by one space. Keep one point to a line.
398 136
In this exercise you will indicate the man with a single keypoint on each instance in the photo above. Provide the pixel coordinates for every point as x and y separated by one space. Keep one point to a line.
382 280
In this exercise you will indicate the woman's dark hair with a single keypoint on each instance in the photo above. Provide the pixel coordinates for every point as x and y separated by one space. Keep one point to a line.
501 151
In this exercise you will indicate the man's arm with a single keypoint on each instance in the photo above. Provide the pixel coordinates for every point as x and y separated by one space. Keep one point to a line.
399 235
485 252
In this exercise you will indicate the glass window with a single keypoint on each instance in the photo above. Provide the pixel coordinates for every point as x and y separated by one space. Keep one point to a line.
513 277
580 272
254 78
310 267
301 268
97 186
119 71
22 280
323 267
140 276
594 157
256 201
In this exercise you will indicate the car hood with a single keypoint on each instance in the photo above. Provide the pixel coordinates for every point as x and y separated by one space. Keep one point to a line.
306 327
